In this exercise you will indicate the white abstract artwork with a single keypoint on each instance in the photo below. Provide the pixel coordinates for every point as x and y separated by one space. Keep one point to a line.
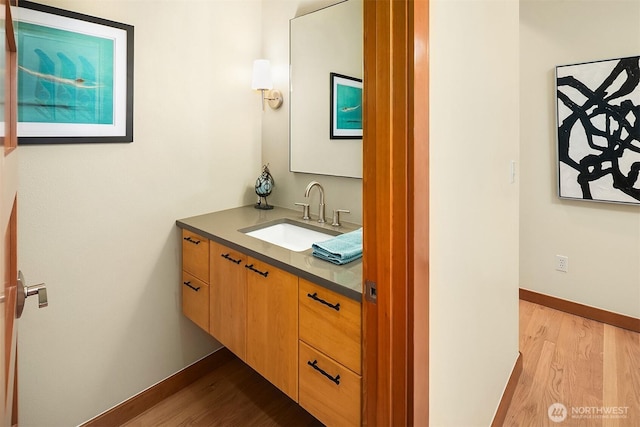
598 121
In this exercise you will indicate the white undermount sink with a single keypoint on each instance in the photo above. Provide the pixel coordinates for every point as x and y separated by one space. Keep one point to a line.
287 235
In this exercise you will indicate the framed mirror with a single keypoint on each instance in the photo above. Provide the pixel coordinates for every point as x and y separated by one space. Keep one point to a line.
325 112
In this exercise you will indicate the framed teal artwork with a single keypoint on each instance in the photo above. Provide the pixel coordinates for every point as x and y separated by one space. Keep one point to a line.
346 107
75 77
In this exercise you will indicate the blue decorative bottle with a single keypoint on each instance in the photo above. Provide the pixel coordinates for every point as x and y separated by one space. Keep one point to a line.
264 185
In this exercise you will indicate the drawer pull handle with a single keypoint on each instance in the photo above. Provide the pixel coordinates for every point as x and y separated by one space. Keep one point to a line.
315 366
336 307
190 240
226 256
191 286
263 273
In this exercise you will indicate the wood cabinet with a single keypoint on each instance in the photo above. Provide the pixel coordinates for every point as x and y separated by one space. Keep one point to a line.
303 338
331 323
272 325
328 390
195 278
228 298
330 363
195 255
195 300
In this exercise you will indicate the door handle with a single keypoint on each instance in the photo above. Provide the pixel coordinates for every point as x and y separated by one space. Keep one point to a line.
25 291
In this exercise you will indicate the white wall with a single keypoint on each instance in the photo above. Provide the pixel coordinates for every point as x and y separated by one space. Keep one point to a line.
97 222
473 207
601 240
340 193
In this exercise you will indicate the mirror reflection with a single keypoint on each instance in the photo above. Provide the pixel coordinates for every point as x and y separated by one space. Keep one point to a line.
325 134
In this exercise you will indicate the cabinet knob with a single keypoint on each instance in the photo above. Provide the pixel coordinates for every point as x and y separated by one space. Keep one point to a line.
190 240
228 256
255 270
315 366
191 286
315 297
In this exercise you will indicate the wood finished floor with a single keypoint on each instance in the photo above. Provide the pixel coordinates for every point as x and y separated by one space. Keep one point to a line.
233 394
583 364
566 359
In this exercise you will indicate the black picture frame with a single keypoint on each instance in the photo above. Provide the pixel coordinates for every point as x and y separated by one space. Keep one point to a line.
345 116
69 107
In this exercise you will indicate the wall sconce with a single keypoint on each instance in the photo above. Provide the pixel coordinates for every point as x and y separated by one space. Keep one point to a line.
262 82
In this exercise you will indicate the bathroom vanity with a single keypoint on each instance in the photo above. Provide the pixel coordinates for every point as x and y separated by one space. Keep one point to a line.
293 318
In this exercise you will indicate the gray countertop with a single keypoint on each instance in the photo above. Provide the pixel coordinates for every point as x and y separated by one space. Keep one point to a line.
223 227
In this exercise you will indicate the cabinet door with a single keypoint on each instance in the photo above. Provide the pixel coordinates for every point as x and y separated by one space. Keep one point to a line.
195 300
195 255
272 325
228 294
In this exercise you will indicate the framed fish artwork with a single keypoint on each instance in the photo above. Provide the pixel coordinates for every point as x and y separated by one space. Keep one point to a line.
75 77
346 107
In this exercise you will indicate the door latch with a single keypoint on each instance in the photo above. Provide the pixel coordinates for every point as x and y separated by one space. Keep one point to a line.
371 291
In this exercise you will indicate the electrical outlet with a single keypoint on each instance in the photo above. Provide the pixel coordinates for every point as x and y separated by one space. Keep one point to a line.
562 263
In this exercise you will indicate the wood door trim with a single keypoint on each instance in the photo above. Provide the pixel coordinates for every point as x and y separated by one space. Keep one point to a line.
10 139
604 316
395 214
146 399
419 215
8 190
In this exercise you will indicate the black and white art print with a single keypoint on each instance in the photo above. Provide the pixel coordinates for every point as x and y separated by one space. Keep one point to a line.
598 113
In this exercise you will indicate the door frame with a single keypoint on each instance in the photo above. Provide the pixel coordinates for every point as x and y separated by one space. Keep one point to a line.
396 212
8 221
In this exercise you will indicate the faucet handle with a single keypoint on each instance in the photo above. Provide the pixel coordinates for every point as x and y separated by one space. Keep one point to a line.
305 210
336 216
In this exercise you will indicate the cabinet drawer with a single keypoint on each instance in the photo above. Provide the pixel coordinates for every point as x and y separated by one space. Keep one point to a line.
331 323
195 300
328 390
195 255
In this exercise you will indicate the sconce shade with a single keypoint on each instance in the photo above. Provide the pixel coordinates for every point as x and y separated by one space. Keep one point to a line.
261 75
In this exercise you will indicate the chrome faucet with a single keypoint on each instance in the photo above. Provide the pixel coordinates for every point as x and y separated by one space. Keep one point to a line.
306 194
